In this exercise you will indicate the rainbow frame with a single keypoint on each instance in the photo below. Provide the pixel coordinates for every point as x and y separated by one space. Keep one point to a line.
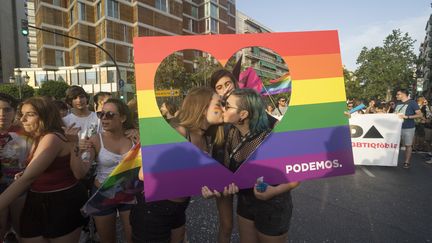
314 129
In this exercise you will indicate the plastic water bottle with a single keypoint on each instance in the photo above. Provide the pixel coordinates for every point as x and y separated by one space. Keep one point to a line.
90 131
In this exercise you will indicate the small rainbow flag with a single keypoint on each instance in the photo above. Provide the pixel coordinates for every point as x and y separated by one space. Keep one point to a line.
277 86
121 186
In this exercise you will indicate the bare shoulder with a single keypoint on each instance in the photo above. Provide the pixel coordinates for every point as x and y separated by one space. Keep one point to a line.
181 130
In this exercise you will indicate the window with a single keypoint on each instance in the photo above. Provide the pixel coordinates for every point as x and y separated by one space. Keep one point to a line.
194 12
81 11
98 11
71 15
161 5
213 11
59 58
214 25
57 3
112 9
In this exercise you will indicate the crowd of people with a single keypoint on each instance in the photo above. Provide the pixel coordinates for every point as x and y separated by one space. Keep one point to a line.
56 153
416 133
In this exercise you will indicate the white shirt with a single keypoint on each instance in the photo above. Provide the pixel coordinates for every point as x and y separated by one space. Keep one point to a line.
89 125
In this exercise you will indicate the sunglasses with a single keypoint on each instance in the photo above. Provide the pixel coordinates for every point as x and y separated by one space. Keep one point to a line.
107 115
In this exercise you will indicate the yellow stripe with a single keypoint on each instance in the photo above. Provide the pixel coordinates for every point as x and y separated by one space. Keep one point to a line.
147 106
313 91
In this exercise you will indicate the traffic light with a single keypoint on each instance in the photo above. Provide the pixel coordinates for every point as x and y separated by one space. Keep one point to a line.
24 27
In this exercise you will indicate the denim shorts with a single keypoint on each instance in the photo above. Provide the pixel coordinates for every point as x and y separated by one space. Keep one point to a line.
113 209
271 217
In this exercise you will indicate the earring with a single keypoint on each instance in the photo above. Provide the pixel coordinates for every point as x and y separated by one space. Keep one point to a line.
241 121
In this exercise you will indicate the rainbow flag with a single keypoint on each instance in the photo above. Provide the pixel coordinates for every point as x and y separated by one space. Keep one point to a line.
281 86
284 77
121 186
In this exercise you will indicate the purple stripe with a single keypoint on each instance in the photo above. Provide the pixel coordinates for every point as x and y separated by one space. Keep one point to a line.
182 183
180 156
273 92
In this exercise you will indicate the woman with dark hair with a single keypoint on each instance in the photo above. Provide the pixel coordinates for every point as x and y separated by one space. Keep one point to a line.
263 216
54 196
108 149
224 82
164 221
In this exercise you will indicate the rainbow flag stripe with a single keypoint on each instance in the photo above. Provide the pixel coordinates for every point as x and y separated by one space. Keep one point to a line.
314 129
121 186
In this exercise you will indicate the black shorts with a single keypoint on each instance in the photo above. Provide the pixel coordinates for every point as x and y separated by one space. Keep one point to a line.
271 217
153 221
53 214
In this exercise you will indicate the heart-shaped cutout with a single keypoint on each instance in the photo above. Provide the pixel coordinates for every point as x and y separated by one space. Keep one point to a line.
255 68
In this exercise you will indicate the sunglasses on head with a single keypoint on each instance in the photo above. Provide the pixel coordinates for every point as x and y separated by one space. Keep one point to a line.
107 115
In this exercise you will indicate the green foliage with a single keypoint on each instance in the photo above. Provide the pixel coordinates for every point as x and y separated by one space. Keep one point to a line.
352 85
382 69
13 90
56 89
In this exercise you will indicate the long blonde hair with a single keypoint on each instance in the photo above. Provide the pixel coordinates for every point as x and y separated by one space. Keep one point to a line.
192 114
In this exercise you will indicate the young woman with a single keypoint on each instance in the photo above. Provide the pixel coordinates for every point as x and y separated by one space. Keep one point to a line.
52 208
108 148
164 221
262 216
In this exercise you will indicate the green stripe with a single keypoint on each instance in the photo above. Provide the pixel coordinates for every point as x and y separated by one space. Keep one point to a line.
304 117
158 131
128 175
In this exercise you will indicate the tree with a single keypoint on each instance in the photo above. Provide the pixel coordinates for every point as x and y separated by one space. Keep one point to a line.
352 85
54 89
13 90
382 69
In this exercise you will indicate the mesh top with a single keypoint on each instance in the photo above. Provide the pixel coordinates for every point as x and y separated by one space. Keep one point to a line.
239 148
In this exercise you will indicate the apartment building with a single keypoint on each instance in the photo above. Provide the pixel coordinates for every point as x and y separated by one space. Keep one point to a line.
112 24
424 70
267 63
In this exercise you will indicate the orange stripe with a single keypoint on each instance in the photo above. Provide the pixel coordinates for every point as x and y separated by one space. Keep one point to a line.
144 75
314 66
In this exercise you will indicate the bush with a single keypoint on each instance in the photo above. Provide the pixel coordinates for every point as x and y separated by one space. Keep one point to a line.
56 89
13 90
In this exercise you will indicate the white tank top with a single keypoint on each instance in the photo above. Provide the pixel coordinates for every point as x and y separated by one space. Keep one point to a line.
106 161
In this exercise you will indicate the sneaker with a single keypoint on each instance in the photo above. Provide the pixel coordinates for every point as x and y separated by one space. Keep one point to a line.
406 165
428 161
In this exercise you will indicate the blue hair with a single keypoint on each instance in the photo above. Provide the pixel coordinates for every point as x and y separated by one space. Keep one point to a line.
251 101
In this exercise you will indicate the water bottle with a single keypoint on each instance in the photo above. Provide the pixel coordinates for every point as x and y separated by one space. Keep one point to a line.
90 131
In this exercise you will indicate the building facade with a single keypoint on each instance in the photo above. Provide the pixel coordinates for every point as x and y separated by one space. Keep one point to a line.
424 69
13 46
267 63
112 24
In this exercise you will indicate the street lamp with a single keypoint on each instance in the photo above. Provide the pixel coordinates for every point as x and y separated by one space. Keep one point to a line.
19 81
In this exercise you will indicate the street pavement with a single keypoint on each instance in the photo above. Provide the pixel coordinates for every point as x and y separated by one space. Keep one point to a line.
376 204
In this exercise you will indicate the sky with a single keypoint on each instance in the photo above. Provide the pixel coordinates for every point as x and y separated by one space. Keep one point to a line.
360 23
